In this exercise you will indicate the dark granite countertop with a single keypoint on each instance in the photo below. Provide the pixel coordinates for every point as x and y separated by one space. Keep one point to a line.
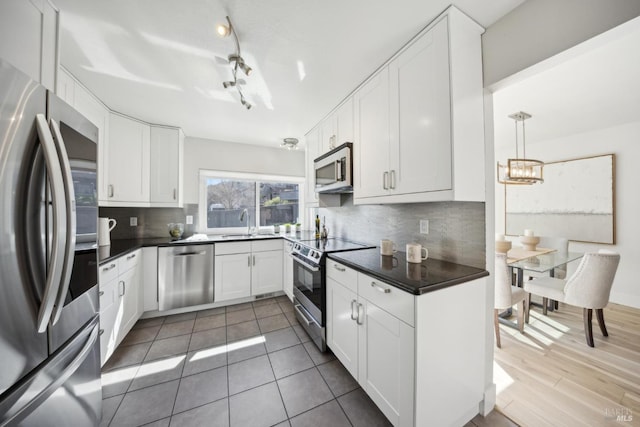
123 246
431 275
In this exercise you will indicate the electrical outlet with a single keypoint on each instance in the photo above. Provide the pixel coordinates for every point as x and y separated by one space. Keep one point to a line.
133 221
189 219
424 226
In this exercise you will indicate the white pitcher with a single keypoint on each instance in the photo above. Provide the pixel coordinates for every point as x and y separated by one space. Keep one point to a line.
105 225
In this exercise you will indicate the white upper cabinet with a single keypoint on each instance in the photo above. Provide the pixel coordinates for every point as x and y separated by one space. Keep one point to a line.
337 129
312 140
128 162
29 38
429 146
371 111
420 131
166 166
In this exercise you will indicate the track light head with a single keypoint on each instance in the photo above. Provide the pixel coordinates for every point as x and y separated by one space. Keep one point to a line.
223 30
228 84
245 68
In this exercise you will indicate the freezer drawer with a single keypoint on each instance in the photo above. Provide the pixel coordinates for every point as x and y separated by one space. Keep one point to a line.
185 276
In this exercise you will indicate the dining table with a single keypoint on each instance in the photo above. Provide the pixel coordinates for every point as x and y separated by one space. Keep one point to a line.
540 260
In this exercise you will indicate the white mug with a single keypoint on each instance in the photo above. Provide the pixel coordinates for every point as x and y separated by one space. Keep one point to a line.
105 225
387 247
416 253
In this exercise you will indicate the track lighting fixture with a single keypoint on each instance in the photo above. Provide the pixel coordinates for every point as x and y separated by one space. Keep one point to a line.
236 61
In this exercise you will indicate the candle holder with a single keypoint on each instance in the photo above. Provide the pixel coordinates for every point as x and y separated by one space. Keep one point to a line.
503 246
529 243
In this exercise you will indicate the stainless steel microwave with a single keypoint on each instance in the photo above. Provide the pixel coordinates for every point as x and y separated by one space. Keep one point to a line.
334 170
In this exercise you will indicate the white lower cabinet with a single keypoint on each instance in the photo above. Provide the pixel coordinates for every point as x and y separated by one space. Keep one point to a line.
375 346
120 300
244 269
419 364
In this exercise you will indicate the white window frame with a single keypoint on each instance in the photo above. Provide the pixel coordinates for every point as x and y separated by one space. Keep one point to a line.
202 197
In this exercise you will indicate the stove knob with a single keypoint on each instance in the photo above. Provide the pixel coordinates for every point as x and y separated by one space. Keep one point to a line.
316 255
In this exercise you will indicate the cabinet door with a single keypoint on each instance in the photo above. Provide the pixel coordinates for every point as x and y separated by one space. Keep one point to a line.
266 272
97 114
344 122
342 330
371 111
65 86
128 168
420 155
29 39
328 135
313 140
109 307
129 289
232 276
386 362
165 160
287 270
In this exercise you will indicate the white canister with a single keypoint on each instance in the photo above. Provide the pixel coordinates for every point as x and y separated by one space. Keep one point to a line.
105 225
416 253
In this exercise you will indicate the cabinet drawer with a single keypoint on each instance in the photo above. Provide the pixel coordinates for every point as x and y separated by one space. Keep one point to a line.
266 245
128 261
397 302
108 272
232 248
342 274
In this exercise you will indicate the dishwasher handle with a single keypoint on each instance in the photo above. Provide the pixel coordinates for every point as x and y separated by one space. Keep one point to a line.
191 253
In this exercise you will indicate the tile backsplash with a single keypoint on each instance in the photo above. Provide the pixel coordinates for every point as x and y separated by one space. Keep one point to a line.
456 229
152 222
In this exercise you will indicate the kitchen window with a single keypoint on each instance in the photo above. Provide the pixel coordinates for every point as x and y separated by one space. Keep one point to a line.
269 200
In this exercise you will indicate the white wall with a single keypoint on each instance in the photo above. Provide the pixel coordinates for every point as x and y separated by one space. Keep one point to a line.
623 142
539 29
229 156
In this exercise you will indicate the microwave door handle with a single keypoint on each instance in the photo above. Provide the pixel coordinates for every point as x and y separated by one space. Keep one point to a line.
338 169
70 205
59 224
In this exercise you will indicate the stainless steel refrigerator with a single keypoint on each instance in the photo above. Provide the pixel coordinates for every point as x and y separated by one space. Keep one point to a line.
49 326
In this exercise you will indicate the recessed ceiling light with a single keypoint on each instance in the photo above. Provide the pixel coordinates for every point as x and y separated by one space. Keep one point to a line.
290 143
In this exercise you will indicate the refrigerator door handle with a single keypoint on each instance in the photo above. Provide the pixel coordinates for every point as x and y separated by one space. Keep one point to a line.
38 385
70 205
55 266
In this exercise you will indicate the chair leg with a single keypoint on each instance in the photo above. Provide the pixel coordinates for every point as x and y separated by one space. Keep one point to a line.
587 313
521 315
496 325
527 306
544 305
603 327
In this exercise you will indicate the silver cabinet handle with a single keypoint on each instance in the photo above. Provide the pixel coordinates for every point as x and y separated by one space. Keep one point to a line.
122 291
385 177
101 293
380 288
393 180
101 332
111 267
175 194
358 318
110 190
131 256
70 205
338 268
254 259
58 244
352 304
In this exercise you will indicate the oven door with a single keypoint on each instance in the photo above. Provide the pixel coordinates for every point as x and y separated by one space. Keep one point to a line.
308 287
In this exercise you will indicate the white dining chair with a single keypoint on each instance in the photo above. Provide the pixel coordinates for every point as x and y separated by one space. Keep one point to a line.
506 296
588 287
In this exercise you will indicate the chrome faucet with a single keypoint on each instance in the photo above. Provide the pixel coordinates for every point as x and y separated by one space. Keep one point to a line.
242 215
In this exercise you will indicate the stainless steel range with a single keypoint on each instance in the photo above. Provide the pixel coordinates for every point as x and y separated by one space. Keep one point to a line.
309 282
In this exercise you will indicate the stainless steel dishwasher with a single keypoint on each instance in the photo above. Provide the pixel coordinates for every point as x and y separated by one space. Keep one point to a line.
185 276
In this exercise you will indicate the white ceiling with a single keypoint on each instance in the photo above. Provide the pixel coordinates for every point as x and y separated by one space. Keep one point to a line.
595 85
159 60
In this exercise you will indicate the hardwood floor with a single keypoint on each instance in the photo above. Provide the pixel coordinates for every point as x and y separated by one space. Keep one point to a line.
550 377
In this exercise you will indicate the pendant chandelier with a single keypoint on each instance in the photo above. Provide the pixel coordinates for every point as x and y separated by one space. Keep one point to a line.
520 171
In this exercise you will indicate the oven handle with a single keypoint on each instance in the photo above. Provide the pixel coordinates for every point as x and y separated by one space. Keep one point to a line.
304 264
302 311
